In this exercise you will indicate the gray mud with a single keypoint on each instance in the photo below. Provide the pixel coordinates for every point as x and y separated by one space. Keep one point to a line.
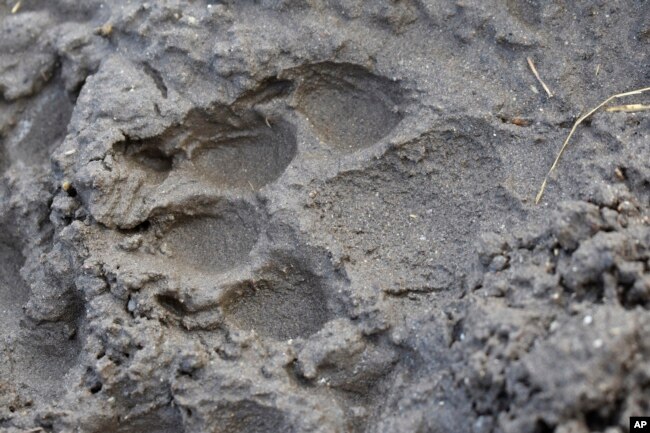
290 216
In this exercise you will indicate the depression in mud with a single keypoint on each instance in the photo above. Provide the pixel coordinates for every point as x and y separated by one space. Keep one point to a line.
320 216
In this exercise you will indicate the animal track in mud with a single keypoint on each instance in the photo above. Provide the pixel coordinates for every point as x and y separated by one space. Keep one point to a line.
149 158
153 159
348 107
416 211
283 302
250 161
233 152
215 243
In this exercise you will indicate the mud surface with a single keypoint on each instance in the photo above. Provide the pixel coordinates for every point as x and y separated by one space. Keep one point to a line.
289 216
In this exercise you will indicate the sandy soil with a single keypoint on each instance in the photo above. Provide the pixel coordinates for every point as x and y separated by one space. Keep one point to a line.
318 216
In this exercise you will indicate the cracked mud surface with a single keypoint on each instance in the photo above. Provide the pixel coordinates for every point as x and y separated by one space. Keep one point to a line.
286 216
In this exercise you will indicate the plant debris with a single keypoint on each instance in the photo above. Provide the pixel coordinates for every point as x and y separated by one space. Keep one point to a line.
534 69
575 126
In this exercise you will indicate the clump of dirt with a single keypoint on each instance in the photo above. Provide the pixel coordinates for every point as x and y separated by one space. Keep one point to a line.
274 216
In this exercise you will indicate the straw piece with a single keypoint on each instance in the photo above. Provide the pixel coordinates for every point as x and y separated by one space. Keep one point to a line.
534 69
630 108
573 129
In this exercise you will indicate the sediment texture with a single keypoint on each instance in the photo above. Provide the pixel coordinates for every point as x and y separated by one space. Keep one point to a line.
317 216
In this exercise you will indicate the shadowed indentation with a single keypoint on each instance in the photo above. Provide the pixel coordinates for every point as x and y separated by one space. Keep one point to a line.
250 417
163 420
157 78
249 161
214 243
147 157
348 107
243 152
172 304
154 159
283 303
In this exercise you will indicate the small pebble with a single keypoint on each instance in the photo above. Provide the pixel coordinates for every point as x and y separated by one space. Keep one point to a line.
132 243
498 263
